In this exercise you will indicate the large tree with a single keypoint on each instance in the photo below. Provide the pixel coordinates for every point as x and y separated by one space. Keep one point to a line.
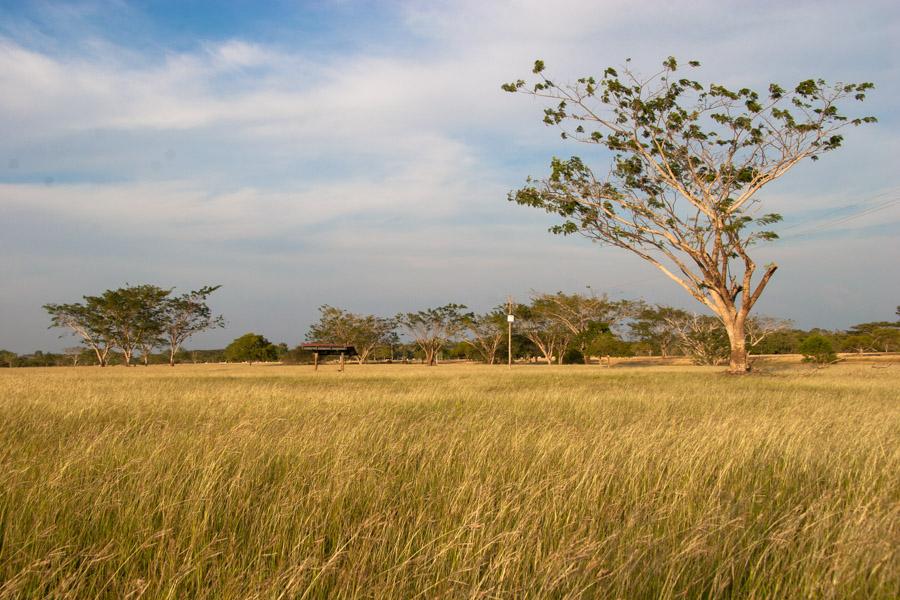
88 321
186 315
687 162
432 328
706 340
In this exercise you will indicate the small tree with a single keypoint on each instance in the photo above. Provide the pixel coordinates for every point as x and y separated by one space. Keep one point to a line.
537 323
817 349
607 344
760 327
431 329
73 353
687 162
884 335
250 348
486 333
187 315
585 316
701 337
8 359
858 342
652 326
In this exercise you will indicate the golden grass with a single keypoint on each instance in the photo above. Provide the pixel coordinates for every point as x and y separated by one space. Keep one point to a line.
454 481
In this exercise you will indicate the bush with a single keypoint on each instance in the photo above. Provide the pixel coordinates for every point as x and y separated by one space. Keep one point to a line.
817 349
251 348
573 356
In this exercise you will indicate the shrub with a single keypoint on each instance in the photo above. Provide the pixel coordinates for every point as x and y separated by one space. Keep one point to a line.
251 348
573 356
817 349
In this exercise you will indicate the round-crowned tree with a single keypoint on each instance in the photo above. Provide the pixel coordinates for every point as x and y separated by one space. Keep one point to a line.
817 349
251 348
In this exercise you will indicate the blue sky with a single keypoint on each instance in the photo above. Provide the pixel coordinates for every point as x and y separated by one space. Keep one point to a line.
359 153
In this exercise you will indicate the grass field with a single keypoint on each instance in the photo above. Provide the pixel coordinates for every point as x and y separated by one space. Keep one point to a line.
454 481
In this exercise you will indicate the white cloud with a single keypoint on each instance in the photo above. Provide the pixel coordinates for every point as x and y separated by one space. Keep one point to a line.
409 151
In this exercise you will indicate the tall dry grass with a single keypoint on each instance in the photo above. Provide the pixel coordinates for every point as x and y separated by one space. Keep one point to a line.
462 481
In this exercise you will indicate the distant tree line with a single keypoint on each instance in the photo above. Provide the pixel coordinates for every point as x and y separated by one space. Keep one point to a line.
151 324
569 328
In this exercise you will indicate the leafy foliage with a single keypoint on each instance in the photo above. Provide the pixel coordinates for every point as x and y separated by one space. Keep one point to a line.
251 348
135 317
433 328
186 315
486 332
817 349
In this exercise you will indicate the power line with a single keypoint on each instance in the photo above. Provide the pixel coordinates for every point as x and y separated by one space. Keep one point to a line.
840 209
831 223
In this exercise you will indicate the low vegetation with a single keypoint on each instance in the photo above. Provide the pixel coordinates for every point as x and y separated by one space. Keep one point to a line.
462 481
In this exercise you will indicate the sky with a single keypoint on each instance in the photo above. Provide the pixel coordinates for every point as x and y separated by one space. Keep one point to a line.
360 154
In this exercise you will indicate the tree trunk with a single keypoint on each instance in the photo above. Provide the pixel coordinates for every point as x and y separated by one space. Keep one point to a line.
172 351
101 358
739 362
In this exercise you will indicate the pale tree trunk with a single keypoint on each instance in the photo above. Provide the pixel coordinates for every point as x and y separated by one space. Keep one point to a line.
739 362
172 350
363 354
101 356
547 352
430 353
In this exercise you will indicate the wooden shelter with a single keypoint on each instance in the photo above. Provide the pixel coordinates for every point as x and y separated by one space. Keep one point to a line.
319 348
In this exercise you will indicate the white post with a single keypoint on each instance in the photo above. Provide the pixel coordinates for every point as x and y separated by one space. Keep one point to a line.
509 323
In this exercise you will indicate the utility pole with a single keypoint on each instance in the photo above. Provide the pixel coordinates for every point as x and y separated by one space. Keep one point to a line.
509 321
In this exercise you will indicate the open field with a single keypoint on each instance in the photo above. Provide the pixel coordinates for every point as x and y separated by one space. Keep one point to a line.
455 481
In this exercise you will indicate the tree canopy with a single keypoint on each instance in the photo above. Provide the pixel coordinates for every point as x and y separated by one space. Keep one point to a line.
251 348
433 328
135 318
